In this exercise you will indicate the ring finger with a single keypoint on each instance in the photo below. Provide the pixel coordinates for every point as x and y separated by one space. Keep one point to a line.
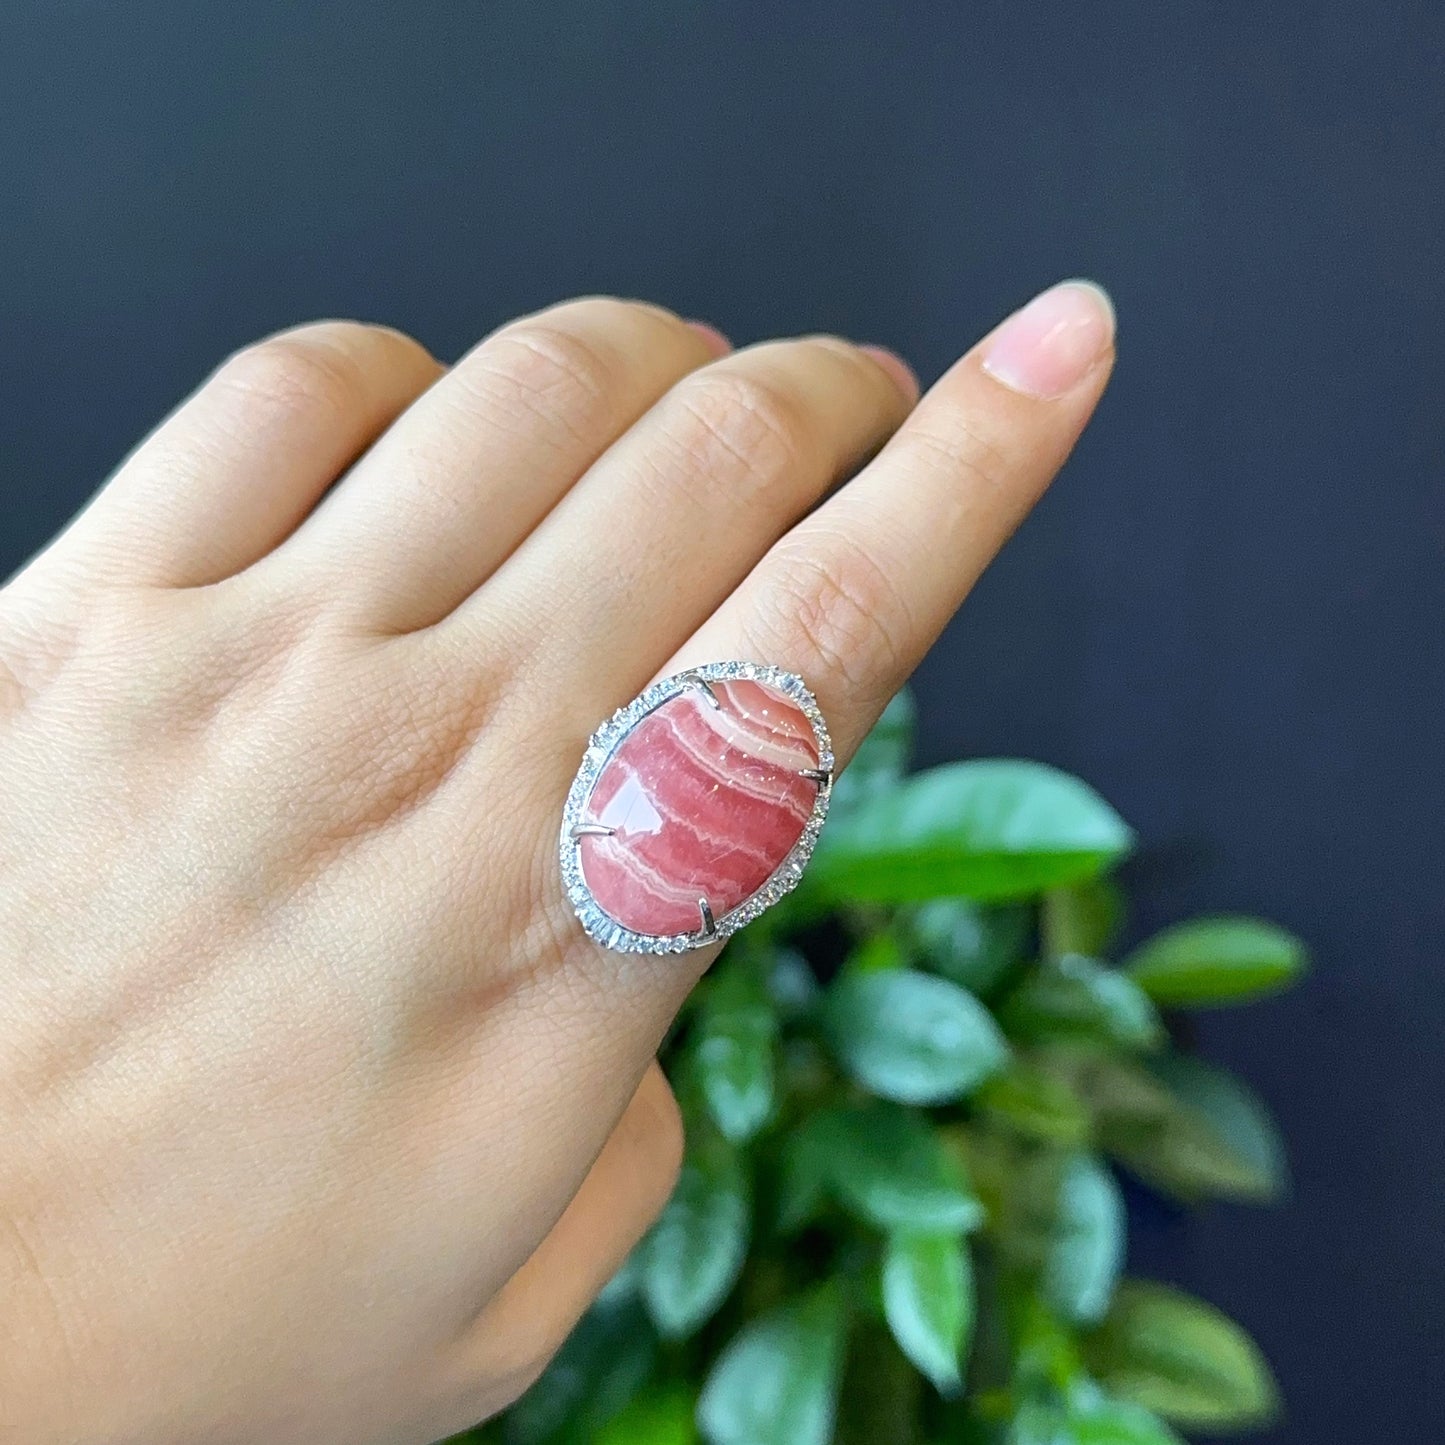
671 519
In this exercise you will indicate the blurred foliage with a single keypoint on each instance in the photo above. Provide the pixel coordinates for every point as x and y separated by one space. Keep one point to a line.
907 1091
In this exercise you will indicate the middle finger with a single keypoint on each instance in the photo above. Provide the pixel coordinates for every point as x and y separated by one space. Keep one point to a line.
481 458
680 509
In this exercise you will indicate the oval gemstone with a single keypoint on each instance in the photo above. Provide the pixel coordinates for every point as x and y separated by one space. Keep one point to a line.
704 802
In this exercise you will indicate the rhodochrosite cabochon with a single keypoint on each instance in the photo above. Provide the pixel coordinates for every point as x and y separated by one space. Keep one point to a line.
696 807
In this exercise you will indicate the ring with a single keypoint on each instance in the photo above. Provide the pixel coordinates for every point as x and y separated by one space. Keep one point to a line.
696 807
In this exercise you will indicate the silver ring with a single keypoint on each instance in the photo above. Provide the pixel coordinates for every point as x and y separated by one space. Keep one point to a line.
696 807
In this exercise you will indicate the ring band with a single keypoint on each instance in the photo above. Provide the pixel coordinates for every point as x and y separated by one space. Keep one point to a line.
696 807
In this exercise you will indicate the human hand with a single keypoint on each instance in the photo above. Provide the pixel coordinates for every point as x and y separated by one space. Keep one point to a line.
324 1119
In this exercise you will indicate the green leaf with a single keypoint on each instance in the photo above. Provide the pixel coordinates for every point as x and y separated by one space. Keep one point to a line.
1033 1103
1094 1418
602 1365
1039 1423
1059 1229
928 1302
1074 998
1216 961
777 1382
911 1037
659 1416
974 944
878 953
1025 1209
1182 1359
881 760
1106 1422
1214 1138
992 829
1120 1423
1082 918
1046 1354
692 1256
1119 1089
803 1175
732 1050
891 1168
1086 1250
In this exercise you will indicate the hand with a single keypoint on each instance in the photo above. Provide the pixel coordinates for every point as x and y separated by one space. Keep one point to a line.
324 1119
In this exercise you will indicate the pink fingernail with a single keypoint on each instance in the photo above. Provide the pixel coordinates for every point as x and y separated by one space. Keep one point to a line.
898 370
717 343
1050 346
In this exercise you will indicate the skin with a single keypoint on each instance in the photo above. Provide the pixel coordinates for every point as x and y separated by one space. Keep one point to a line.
324 1119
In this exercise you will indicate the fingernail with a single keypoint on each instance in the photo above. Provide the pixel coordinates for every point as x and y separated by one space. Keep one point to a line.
1050 346
716 342
898 370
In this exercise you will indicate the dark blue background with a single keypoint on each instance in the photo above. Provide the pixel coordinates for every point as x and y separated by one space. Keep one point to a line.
1228 615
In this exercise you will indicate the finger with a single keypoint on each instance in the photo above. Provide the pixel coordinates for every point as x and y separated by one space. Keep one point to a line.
467 473
850 600
853 596
673 516
624 1191
235 469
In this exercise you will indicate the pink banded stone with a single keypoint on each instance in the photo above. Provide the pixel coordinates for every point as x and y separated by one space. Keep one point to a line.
704 801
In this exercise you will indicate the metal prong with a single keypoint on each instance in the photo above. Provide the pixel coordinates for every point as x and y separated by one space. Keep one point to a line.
821 776
705 688
592 830
709 923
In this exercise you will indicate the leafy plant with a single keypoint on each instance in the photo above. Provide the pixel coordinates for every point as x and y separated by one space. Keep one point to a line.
907 1091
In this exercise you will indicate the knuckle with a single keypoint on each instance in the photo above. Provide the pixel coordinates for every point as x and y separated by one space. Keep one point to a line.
843 612
569 367
38 635
738 422
544 369
328 367
848 359
610 315
878 389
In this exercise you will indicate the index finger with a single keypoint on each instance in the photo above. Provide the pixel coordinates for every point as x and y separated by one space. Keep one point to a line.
854 595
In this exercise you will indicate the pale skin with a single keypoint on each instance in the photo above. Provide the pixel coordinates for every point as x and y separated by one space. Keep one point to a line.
324 1121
